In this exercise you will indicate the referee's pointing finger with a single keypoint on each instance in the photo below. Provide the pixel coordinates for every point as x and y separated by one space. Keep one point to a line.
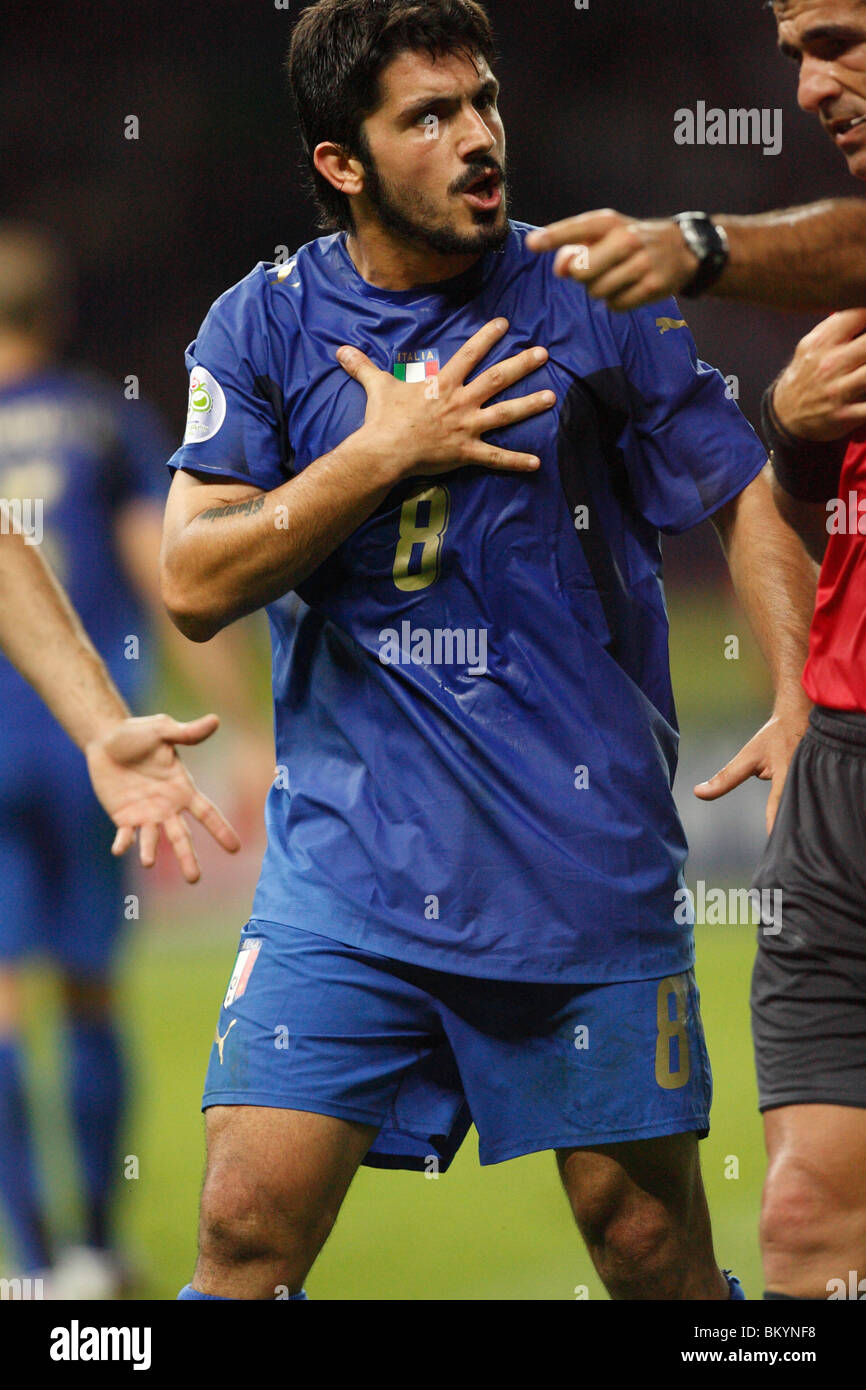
589 227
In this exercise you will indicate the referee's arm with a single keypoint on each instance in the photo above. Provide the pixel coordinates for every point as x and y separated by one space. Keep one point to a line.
808 415
808 257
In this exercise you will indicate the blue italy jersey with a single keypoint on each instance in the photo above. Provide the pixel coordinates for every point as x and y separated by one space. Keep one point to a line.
475 731
73 453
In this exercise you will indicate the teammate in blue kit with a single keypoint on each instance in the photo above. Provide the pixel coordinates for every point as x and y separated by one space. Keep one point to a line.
458 466
80 478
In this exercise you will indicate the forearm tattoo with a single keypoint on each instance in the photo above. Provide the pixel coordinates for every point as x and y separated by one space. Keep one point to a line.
247 508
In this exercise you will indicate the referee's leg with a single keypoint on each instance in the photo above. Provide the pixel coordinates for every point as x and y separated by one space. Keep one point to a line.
809 1018
813 1218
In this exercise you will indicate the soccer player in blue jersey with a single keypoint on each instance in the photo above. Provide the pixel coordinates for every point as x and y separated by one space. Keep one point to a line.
80 477
456 466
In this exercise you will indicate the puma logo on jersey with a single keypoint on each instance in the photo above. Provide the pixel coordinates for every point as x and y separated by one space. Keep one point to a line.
665 325
221 1041
286 270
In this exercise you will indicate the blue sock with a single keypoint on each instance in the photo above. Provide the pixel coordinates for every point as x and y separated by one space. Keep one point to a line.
189 1292
734 1285
18 1186
97 1094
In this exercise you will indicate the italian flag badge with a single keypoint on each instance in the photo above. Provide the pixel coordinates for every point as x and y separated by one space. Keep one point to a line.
416 366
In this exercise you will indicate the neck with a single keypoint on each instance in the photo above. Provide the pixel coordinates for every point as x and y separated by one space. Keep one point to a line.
391 263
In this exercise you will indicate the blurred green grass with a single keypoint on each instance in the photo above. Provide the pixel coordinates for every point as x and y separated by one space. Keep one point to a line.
503 1232
710 689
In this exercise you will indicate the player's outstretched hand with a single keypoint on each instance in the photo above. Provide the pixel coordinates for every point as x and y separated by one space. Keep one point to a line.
142 783
767 755
434 427
623 261
821 394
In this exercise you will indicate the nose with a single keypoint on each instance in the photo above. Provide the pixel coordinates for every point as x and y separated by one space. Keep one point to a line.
476 136
818 83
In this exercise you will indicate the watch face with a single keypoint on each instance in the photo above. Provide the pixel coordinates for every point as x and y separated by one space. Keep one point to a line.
708 244
696 236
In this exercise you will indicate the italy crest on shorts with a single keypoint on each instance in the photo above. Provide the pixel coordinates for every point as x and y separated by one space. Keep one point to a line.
416 366
247 956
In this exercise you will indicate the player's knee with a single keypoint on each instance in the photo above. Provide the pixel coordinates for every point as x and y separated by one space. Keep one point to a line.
639 1242
244 1219
630 1238
797 1209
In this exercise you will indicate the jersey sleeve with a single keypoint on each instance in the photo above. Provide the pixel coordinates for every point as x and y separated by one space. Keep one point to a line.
234 429
691 449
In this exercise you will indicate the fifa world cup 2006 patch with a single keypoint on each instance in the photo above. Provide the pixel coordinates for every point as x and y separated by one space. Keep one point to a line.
247 956
416 366
207 406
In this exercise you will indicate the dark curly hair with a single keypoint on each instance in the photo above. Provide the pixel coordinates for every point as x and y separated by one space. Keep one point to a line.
338 51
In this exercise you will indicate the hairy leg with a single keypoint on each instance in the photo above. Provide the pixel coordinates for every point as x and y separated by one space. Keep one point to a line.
275 1182
642 1211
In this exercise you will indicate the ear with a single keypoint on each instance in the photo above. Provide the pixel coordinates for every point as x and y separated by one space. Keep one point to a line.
341 169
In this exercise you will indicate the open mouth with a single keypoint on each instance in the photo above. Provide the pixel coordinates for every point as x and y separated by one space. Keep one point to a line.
486 192
838 129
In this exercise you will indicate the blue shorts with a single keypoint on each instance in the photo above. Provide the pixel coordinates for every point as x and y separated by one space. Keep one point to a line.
311 1024
61 890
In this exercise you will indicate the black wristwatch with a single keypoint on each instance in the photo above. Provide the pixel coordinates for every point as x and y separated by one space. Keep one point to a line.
710 244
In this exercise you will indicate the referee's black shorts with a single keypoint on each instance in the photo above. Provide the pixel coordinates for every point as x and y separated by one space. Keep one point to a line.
809 980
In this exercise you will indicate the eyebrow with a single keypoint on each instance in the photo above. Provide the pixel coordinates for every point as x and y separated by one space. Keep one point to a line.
488 88
841 33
